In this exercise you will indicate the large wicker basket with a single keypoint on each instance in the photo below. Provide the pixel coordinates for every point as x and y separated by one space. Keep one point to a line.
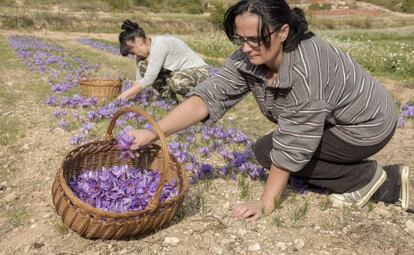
95 223
100 88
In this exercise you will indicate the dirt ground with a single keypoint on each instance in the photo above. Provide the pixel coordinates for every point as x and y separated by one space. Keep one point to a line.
303 224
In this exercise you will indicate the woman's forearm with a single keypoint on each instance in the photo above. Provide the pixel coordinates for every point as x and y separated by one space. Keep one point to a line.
184 115
131 92
135 89
275 184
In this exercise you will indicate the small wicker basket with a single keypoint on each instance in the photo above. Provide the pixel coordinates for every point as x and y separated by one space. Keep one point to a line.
100 88
95 223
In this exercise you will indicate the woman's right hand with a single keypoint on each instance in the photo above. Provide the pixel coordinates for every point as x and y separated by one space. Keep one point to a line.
130 93
127 94
142 137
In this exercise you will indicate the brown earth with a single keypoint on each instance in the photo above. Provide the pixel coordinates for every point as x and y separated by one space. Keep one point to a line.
29 224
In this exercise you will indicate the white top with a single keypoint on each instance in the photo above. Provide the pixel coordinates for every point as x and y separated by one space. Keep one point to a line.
170 53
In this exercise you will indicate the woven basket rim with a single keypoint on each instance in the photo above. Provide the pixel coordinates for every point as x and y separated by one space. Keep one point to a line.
101 82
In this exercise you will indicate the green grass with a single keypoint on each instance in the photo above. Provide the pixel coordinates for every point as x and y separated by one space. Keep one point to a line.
113 67
383 54
352 22
201 188
371 206
213 62
277 219
9 130
299 212
18 216
326 203
212 45
10 125
243 184
61 228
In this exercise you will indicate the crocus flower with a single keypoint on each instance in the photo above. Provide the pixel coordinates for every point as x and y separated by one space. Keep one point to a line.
124 143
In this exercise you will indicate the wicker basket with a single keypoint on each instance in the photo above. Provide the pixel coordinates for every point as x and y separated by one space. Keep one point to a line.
95 223
101 89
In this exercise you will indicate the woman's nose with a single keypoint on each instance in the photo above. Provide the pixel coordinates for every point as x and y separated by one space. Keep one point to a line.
246 47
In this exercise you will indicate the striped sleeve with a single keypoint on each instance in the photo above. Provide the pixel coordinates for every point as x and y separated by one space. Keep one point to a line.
221 91
298 134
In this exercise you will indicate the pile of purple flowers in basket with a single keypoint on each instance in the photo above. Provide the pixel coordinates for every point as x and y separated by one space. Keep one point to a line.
120 188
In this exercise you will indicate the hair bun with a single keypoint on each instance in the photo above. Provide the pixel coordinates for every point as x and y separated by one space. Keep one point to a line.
129 25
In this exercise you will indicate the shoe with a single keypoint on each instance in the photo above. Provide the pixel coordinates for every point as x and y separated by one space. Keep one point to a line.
360 197
404 172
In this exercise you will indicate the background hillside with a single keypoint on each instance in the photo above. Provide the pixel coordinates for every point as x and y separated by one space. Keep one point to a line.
195 6
183 17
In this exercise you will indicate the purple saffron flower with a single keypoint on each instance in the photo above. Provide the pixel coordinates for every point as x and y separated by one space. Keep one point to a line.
120 188
408 111
401 122
51 101
77 139
124 143
86 127
206 171
212 71
204 151
59 113
223 171
91 115
65 101
63 124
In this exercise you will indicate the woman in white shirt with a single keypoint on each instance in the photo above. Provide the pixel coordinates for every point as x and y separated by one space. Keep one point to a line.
164 61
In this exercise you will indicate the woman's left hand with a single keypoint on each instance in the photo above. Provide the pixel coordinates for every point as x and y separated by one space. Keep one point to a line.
252 210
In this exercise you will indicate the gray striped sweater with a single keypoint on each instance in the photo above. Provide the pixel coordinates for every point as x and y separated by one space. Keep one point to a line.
318 87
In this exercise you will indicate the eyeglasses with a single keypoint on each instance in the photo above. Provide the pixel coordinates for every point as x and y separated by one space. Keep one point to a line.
253 42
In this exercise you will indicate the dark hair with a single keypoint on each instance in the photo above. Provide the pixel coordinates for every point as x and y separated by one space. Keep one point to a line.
273 14
131 31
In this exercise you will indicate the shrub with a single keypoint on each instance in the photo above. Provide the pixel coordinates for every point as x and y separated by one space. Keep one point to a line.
324 6
217 13
408 6
182 6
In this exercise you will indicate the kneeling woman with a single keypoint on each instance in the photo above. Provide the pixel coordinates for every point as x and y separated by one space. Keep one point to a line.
165 62
332 115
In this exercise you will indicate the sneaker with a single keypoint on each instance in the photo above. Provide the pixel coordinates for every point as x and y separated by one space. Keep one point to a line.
405 184
360 197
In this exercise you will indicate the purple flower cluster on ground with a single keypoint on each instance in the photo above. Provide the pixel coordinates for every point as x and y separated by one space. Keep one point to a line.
101 46
120 188
407 112
216 140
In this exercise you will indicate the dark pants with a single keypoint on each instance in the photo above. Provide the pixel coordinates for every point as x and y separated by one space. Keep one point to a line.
336 165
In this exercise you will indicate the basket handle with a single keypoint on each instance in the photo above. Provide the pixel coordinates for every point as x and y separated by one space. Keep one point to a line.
154 202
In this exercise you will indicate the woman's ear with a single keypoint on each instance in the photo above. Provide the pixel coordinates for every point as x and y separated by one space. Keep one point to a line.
284 32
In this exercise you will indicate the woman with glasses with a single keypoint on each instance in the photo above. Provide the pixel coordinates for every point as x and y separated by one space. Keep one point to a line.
164 61
329 113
